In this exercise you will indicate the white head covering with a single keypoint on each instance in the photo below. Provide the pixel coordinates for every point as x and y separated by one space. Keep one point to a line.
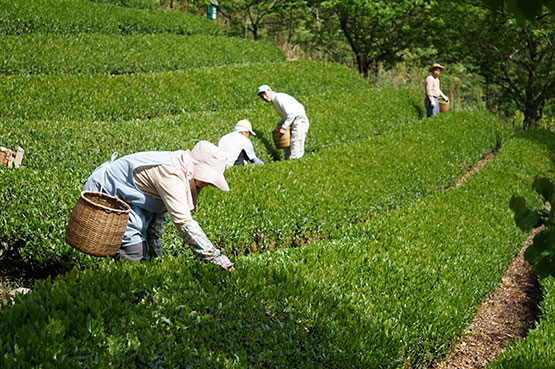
262 89
209 164
243 126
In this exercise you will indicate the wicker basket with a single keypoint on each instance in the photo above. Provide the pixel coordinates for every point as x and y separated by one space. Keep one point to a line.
443 106
282 140
97 224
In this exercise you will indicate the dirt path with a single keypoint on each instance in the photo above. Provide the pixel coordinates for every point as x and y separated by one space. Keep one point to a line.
504 316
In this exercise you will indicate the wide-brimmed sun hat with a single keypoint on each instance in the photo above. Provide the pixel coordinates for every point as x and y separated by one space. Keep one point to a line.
209 164
243 126
436 65
263 89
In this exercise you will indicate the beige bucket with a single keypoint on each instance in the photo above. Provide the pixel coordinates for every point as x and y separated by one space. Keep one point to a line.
443 106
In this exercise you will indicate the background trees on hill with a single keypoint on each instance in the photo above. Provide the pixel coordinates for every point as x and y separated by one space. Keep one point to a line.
515 55
504 47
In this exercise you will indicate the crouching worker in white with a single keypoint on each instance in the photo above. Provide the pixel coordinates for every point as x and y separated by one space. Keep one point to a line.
156 183
238 146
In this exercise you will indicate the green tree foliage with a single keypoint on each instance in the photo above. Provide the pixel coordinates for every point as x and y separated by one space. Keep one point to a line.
528 9
541 254
516 58
377 30
252 17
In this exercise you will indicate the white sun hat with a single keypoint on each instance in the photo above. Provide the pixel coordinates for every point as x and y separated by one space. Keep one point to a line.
209 164
243 126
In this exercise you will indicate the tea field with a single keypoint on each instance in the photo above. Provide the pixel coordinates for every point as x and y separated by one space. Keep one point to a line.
362 254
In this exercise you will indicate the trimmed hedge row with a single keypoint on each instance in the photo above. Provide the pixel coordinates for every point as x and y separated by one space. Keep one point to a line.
36 200
141 4
148 95
302 199
118 54
537 350
396 291
83 16
295 202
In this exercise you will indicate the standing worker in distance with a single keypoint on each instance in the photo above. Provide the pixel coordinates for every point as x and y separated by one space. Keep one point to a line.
238 146
156 183
292 115
433 91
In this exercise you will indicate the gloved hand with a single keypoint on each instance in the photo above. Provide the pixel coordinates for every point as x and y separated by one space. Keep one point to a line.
445 98
223 262
433 103
196 239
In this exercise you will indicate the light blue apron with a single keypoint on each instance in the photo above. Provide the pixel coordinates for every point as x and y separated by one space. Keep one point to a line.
115 178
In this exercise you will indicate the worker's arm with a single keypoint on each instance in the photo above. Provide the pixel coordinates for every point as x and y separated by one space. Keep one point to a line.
201 246
167 184
249 151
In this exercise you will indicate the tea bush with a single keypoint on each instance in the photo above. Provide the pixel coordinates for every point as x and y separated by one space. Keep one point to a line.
83 16
294 202
537 350
141 4
118 54
148 95
393 292
274 205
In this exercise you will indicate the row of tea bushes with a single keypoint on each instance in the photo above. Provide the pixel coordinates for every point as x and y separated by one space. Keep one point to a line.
412 281
537 350
392 293
83 16
290 203
148 95
37 199
117 54
140 4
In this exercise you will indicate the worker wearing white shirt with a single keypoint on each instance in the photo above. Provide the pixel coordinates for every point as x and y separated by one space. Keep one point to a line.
292 115
238 146
433 91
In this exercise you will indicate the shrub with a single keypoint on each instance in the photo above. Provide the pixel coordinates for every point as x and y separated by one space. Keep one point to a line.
149 95
275 205
82 16
119 54
392 292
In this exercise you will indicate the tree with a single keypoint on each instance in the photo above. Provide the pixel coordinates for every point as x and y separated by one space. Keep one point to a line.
541 254
516 58
377 30
250 15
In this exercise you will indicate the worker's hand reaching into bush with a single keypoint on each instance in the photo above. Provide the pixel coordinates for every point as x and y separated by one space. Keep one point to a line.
223 262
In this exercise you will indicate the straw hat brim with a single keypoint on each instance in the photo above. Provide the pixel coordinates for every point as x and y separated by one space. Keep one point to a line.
439 66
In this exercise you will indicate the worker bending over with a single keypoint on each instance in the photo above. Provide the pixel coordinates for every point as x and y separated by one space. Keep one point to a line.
156 183
292 115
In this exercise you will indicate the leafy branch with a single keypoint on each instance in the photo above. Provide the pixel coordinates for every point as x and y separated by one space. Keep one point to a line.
541 254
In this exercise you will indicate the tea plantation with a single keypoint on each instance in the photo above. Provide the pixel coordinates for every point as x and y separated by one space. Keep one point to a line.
362 254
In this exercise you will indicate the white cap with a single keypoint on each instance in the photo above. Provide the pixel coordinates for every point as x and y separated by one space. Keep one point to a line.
262 89
243 126
209 164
